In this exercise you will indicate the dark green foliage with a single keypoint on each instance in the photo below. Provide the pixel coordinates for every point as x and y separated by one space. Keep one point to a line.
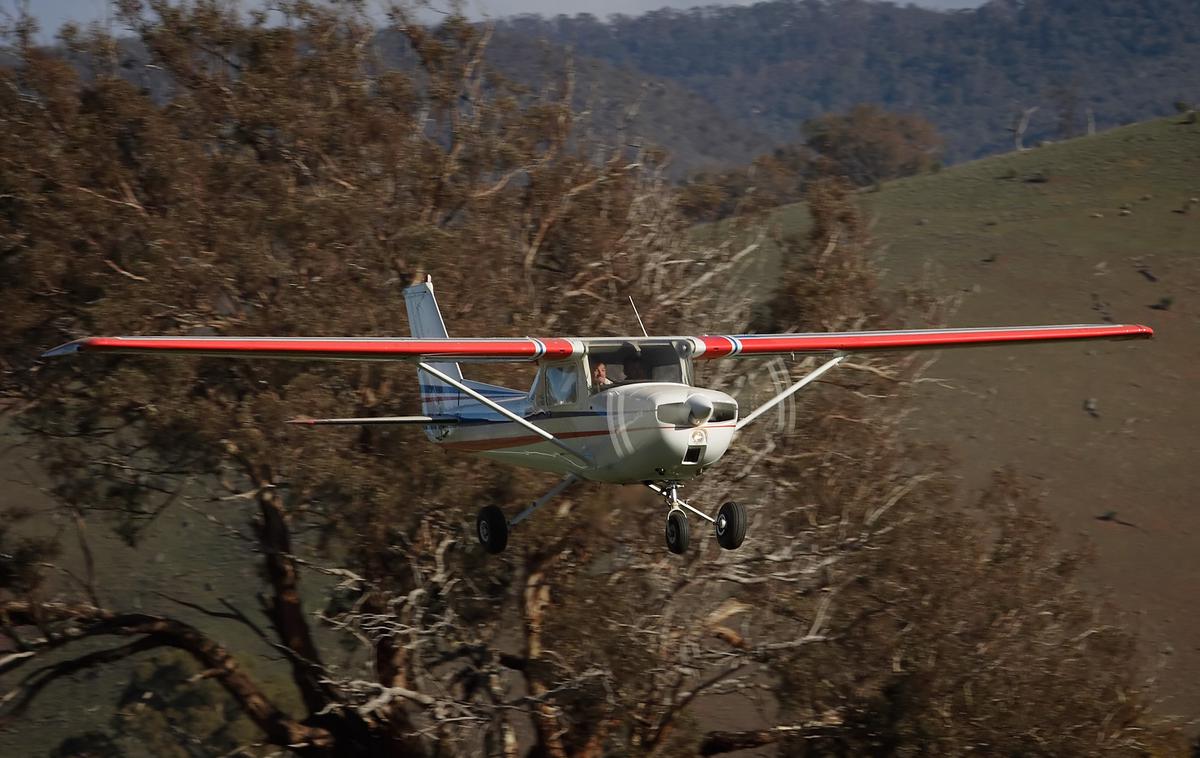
21 556
88 745
775 64
172 715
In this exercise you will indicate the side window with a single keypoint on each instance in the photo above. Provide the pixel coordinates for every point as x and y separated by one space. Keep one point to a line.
668 372
561 384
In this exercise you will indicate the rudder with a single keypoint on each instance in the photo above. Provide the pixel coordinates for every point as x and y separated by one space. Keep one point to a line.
425 320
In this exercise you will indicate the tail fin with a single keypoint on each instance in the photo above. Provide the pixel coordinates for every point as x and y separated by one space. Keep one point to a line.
425 320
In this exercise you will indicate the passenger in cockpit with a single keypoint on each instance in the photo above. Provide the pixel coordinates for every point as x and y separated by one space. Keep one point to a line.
635 370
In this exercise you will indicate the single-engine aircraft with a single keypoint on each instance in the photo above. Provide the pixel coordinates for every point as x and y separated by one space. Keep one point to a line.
623 410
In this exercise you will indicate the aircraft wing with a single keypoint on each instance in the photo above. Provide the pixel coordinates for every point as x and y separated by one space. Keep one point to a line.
333 348
524 349
725 346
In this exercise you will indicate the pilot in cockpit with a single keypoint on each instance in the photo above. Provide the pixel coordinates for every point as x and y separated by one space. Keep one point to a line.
600 378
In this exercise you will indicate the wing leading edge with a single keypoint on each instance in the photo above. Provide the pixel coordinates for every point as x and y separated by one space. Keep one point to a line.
331 348
726 346
522 349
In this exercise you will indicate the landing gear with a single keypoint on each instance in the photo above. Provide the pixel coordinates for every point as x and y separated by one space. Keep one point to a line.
492 529
679 534
731 525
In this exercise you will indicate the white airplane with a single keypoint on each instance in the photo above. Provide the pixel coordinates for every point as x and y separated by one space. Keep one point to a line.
623 410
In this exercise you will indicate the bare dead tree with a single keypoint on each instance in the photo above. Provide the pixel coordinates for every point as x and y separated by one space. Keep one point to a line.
1020 124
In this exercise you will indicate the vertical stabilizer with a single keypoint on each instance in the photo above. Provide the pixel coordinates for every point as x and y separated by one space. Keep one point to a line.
425 320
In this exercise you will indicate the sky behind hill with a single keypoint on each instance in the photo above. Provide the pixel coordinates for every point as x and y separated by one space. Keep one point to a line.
52 14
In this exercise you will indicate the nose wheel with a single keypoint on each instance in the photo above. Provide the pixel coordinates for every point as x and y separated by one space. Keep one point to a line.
729 525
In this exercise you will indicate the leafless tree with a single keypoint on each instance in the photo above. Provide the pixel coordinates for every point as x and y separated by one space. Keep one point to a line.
1020 123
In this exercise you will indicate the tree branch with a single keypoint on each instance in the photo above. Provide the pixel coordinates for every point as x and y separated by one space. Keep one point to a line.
85 621
285 608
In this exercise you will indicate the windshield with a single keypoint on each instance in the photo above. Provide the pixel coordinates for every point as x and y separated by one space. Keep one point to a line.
627 364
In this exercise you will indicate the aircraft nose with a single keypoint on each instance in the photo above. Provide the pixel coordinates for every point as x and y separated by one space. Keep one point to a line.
700 409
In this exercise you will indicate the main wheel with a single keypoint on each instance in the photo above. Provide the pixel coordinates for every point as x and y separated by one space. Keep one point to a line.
731 525
492 529
679 534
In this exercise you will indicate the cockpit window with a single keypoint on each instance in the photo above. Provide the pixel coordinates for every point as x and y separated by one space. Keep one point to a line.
561 382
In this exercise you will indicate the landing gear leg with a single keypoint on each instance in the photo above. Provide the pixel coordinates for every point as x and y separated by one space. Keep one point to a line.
492 528
729 525
678 529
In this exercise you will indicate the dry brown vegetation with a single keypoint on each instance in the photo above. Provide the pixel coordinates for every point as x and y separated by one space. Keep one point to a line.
292 185
866 145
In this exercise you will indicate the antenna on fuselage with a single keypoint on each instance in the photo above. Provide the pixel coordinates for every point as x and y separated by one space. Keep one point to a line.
639 318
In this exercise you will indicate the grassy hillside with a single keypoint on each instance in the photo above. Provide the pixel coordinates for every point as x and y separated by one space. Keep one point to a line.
1078 232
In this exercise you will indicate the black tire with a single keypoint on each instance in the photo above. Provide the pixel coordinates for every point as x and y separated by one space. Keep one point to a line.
679 533
492 529
731 525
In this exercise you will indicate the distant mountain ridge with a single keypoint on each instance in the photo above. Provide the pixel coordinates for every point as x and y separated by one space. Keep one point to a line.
615 101
770 66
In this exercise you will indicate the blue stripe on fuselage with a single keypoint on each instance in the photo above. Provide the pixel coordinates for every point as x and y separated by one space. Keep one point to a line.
498 419
489 392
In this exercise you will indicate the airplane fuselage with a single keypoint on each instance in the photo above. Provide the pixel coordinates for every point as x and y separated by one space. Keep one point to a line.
628 434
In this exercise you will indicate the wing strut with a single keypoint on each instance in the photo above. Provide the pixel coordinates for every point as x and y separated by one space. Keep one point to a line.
374 420
505 412
812 377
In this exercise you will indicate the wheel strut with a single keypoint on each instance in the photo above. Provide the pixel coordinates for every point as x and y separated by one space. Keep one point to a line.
670 493
492 528
729 525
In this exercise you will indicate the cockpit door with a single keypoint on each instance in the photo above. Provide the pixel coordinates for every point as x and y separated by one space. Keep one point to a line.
559 385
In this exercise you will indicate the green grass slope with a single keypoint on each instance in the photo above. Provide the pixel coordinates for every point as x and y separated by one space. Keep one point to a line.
1102 227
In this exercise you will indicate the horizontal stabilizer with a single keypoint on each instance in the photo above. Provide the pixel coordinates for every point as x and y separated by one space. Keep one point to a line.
379 420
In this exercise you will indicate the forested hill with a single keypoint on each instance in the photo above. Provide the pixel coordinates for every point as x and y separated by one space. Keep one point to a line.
774 64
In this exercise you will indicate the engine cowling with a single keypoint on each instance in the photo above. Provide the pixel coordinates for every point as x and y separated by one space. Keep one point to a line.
696 410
